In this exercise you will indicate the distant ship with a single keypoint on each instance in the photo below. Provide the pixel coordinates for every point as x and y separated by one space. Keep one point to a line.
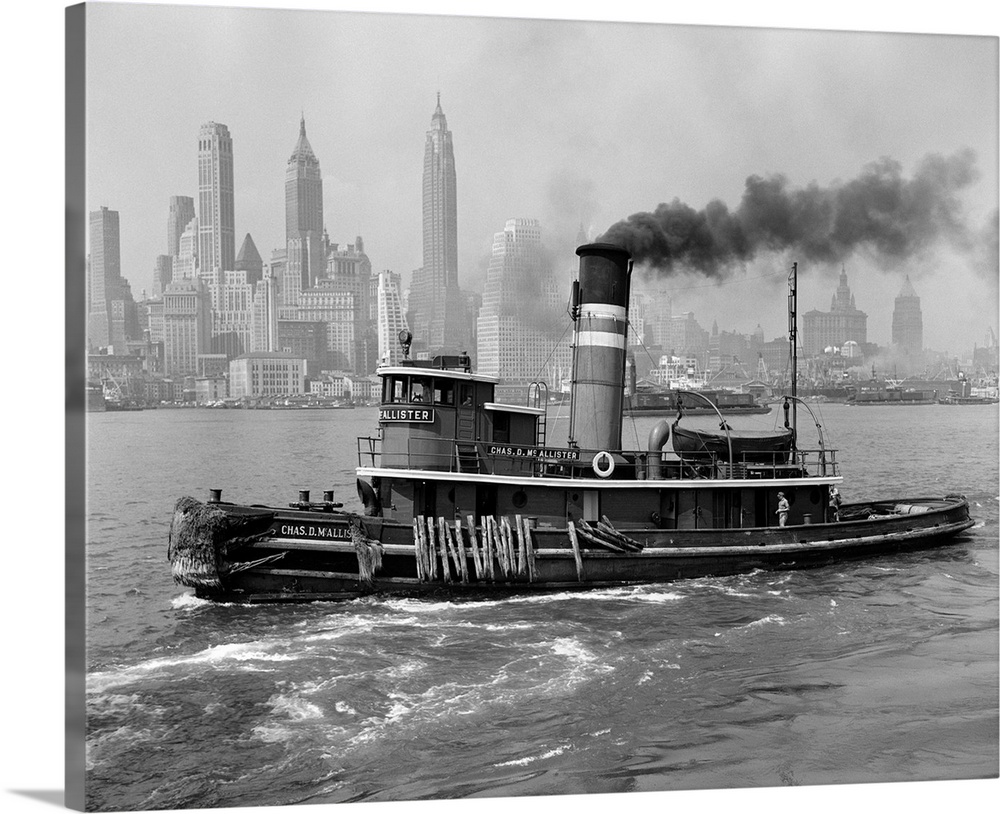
666 402
891 393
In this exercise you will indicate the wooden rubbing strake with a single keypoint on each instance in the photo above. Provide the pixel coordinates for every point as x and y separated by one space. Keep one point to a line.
571 528
488 548
606 536
508 549
522 553
500 547
500 550
432 558
418 550
476 560
463 561
627 542
530 547
441 545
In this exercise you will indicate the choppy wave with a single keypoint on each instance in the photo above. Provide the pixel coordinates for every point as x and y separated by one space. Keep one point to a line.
215 656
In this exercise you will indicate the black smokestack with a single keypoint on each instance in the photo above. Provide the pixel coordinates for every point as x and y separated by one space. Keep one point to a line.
880 210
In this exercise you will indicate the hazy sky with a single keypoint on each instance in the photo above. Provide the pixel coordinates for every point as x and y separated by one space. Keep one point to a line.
568 122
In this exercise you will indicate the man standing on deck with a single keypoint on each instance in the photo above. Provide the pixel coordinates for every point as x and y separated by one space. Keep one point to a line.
835 503
782 509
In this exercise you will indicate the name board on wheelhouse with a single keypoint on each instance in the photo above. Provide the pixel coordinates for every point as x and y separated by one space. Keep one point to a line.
421 415
521 451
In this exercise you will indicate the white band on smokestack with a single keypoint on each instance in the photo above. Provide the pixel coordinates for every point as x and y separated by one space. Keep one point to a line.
603 339
603 310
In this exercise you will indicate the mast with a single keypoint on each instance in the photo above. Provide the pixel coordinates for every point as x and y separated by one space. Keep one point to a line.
793 331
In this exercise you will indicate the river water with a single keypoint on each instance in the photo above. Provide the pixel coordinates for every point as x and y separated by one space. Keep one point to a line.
879 670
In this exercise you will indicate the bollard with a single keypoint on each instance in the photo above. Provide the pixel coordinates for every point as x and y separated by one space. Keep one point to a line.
214 495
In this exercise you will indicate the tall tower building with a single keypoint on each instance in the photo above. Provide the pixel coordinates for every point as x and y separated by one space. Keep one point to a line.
337 310
231 300
187 326
350 269
264 335
303 219
185 264
391 318
907 323
841 324
105 274
216 219
523 316
181 214
435 298
163 273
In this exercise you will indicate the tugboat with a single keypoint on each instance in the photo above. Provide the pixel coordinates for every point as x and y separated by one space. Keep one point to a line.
462 495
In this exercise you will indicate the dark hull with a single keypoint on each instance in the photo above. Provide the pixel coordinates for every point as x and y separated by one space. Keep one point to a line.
283 568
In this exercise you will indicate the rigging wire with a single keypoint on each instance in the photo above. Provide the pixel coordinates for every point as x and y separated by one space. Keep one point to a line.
730 281
541 370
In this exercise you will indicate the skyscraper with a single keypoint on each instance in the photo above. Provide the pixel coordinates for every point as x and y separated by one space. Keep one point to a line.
842 323
181 214
907 323
265 315
231 299
523 315
391 318
105 274
187 326
216 219
350 271
303 219
185 264
435 298
163 273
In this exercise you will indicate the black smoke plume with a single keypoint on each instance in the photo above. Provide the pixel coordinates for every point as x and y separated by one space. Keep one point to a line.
880 211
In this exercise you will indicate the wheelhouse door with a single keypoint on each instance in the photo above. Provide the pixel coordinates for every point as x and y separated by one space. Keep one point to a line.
465 421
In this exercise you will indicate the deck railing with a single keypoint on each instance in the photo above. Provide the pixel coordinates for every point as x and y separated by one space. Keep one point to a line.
468 457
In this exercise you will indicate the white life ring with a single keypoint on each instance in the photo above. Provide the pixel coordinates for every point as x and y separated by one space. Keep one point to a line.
603 464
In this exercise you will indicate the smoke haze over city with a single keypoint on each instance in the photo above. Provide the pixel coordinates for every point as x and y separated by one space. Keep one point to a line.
895 217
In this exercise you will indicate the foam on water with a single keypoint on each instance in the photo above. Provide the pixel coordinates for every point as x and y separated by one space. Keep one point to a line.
294 707
770 619
272 733
524 761
641 593
220 655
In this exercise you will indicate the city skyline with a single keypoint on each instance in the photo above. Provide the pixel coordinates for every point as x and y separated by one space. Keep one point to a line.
564 194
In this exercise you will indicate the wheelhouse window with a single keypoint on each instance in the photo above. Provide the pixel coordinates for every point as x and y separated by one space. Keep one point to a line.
444 391
420 390
394 389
